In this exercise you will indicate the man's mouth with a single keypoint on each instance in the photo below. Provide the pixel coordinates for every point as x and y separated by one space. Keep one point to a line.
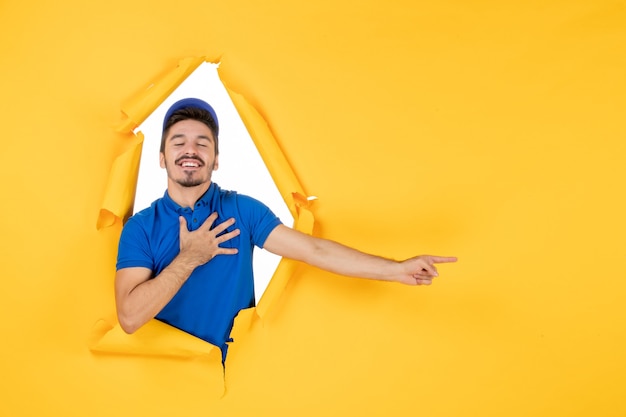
189 162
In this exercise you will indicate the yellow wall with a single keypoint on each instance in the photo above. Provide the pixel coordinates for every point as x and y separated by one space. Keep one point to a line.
487 130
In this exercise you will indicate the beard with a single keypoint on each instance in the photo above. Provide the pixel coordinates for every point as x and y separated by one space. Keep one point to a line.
189 181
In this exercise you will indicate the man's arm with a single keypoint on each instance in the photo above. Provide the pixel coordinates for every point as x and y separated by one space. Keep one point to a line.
340 259
139 298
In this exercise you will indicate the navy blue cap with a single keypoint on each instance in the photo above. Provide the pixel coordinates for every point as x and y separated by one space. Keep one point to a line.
191 102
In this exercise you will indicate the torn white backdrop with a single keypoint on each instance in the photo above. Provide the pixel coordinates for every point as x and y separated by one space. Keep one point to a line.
241 167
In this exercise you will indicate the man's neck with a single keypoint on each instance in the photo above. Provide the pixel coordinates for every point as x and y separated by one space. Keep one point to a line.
186 196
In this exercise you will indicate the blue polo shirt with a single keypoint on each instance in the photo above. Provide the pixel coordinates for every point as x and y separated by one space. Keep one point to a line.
207 303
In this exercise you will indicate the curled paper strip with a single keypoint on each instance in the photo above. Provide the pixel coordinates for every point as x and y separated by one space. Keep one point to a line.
157 339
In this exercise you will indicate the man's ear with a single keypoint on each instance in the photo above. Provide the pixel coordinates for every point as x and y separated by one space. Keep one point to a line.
162 159
217 163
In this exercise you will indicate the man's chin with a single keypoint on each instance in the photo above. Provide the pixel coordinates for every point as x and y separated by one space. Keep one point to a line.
191 184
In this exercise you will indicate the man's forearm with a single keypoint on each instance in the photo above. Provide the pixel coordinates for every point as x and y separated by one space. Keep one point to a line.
144 301
340 259
330 255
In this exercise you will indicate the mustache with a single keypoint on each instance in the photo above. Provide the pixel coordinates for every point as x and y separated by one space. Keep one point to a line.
197 158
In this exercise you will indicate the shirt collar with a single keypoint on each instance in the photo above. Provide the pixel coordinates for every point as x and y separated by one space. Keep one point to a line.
203 201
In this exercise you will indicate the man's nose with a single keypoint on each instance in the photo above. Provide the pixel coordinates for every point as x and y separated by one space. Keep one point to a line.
191 149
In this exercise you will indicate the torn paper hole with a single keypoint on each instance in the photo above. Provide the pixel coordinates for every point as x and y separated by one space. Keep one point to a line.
241 167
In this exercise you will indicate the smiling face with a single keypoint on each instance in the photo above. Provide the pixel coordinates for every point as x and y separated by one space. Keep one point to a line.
189 155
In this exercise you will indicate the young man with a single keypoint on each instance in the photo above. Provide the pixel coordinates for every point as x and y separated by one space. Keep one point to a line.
187 259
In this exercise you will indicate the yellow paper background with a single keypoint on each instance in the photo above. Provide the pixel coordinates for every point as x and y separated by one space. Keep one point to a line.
487 130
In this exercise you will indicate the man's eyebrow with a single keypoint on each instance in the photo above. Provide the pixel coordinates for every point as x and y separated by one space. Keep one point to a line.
180 135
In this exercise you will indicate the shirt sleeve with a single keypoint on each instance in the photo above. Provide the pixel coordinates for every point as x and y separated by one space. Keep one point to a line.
257 217
134 247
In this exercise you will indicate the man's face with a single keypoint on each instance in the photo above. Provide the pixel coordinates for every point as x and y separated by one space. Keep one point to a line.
189 154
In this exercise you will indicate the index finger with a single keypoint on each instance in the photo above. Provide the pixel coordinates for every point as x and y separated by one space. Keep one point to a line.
209 221
223 226
443 259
